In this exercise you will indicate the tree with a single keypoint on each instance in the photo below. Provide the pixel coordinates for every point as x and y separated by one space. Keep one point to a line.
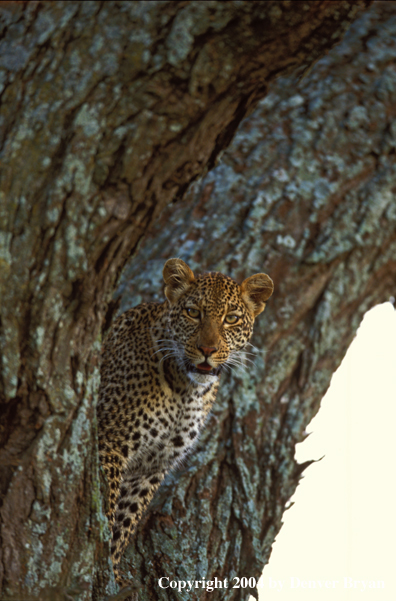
109 112
305 192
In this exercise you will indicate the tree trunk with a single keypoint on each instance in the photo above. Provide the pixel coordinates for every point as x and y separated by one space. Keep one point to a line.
109 111
305 193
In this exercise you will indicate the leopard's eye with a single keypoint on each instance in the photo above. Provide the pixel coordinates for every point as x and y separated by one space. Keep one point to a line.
194 313
231 319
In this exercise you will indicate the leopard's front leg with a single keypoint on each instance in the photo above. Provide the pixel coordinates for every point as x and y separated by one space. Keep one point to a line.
136 492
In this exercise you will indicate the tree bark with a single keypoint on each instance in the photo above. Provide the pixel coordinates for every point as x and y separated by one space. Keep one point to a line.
304 193
109 111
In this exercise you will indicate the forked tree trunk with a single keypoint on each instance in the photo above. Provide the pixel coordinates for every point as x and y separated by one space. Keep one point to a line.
109 112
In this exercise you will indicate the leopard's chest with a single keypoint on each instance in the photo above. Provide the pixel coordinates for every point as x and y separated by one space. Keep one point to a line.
173 426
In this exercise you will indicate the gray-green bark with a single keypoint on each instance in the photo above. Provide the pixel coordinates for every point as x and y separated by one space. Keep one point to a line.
108 112
305 193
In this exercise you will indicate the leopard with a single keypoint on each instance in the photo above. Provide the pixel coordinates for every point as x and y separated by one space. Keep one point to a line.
160 372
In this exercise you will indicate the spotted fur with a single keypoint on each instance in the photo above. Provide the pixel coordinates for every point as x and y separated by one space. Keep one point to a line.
159 379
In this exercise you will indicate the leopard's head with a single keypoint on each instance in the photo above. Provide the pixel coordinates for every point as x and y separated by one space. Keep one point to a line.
210 317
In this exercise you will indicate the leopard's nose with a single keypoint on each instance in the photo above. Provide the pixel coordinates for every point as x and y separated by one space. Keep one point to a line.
207 350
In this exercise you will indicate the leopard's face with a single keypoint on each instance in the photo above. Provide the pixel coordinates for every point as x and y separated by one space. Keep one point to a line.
210 324
210 317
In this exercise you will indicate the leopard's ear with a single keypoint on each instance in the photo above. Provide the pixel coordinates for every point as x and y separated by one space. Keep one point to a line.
255 291
178 277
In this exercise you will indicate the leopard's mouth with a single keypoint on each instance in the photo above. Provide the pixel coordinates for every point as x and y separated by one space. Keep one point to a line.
205 369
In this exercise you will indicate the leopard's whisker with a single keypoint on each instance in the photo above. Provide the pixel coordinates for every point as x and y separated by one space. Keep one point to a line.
163 350
171 354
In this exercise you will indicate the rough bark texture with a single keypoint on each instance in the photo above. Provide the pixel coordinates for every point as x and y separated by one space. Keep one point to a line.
305 193
108 112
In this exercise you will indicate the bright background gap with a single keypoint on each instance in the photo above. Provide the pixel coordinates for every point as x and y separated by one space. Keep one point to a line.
343 524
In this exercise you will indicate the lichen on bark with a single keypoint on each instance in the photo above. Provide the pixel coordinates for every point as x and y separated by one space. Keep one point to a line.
304 193
109 111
